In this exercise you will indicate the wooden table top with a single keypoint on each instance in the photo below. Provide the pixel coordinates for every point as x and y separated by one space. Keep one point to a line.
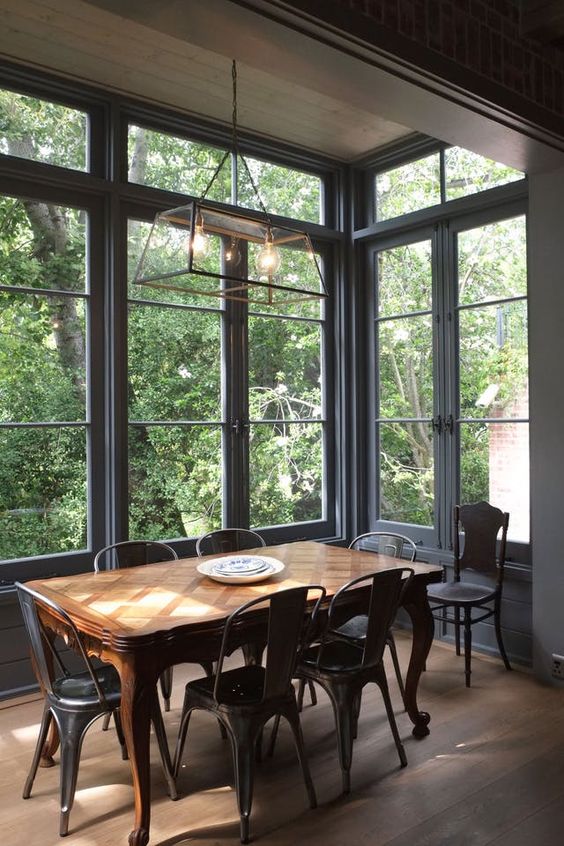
139 601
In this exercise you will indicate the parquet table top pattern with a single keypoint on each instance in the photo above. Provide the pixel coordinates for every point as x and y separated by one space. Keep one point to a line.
140 600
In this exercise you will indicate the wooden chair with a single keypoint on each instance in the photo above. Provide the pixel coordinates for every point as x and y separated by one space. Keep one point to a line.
481 523
228 540
343 667
118 556
244 699
74 700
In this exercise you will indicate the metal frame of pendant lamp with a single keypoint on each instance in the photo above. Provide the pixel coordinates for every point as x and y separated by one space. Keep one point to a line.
246 250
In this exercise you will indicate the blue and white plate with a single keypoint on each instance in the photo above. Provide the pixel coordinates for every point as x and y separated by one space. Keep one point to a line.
240 569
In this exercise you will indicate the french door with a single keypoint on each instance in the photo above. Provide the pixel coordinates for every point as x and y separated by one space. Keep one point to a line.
229 417
449 401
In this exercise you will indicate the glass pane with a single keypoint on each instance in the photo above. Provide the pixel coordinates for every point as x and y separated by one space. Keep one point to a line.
175 481
286 473
494 466
492 261
174 364
42 358
43 496
166 248
177 164
42 131
493 361
43 245
284 369
413 186
298 269
405 279
406 367
287 192
467 173
407 473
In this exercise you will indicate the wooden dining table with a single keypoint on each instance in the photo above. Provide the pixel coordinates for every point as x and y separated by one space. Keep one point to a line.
145 619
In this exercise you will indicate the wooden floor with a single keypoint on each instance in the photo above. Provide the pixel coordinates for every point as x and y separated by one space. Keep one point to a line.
491 772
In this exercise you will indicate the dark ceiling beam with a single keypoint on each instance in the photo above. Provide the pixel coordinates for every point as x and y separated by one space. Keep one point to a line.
543 20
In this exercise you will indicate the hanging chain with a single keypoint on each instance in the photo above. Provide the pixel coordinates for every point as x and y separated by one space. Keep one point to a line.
236 152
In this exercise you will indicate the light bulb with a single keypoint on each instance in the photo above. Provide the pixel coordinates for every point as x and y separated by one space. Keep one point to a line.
268 258
200 242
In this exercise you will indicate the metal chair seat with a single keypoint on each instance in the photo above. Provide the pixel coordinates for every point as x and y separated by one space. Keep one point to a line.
242 686
460 593
81 687
337 657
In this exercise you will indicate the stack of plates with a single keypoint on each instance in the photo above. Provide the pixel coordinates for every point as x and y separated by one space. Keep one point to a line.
238 569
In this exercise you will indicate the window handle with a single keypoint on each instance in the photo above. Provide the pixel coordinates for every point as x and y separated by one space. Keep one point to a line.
449 424
437 423
239 426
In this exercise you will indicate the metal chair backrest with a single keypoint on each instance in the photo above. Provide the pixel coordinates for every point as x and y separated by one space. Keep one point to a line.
289 624
387 588
386 543
45 654
118 556
481 523
228 540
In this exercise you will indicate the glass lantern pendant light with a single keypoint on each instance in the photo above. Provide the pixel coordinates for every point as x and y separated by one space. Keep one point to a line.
206 249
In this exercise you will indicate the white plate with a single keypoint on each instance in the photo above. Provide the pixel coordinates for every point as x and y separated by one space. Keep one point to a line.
206 568
240 565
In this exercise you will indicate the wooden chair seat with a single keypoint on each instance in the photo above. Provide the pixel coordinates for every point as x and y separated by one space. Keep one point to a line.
460 593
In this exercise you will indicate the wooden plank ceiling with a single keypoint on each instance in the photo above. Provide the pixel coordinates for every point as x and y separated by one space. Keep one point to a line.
119 46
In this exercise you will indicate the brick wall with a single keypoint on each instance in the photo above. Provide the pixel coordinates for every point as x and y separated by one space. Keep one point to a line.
481 35
509 468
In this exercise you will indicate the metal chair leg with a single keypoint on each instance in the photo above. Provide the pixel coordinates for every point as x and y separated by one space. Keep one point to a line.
158 725
343 708
165 681
243 746
457 629
395 661
293 718
383 685
106 723
44 728
72 726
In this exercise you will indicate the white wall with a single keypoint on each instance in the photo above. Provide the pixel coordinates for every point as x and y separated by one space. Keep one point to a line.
546 338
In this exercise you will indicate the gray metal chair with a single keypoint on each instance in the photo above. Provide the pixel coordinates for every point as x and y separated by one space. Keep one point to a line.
75 700
228 540
235 540
385 543
118 556
481 523
244 699
343 668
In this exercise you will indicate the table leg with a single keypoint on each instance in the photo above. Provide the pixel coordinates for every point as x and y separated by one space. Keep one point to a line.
417 606
136 692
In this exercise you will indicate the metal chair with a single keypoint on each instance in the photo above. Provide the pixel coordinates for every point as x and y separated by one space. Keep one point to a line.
481 523
235 540
118 556
228 540
74 700
244 699
343 667
355 629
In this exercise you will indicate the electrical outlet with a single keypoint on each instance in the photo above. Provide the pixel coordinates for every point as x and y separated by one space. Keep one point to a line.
558 666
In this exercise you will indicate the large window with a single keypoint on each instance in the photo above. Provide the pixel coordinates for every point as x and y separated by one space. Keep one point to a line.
126 411
449 329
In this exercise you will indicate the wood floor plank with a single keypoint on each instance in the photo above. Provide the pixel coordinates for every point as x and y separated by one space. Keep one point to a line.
490 772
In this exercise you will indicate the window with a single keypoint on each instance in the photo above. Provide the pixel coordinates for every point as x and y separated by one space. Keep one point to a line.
450 337
43 131
135 412
44 382
407 188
